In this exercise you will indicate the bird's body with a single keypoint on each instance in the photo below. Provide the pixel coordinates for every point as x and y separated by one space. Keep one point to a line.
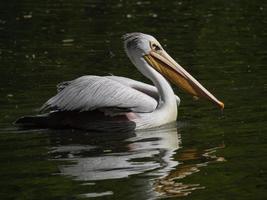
113 102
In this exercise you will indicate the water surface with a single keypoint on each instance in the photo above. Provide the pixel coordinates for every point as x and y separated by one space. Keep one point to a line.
207 154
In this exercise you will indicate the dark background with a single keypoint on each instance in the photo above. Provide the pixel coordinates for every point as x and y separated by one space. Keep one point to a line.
221 43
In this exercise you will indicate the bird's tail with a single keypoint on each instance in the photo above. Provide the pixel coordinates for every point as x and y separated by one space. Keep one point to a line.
32 121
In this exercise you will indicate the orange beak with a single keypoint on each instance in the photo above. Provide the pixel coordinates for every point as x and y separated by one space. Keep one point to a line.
165 65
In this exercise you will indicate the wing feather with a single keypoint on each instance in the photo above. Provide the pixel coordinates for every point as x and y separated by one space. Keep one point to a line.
140 86
94 92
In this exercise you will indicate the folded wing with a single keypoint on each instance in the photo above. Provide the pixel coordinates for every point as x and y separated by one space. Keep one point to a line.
89 93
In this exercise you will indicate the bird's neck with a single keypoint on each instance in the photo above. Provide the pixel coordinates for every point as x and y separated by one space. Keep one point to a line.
166 110
165 91
166 94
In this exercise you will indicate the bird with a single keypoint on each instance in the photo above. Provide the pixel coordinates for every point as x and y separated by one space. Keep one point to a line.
115 103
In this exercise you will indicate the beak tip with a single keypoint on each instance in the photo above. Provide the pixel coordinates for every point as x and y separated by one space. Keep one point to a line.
221 104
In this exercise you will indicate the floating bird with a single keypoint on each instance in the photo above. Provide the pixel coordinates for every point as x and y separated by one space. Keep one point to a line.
109 103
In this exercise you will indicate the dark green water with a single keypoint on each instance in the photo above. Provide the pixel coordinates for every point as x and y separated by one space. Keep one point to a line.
208 155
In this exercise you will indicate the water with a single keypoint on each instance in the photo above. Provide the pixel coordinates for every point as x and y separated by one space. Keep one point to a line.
207 154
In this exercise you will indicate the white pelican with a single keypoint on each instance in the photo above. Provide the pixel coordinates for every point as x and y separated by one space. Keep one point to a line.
112 102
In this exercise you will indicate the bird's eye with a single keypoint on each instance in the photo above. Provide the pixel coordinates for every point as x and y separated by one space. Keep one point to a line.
155 47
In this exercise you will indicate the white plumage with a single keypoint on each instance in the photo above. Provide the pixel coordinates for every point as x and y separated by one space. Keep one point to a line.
94 92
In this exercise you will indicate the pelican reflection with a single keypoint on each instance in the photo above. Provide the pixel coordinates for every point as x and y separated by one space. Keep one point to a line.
100 159
120 157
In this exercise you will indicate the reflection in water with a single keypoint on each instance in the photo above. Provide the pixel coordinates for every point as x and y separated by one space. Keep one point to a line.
171 185
98 157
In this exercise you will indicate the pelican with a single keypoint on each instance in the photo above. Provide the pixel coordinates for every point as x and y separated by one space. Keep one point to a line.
113 102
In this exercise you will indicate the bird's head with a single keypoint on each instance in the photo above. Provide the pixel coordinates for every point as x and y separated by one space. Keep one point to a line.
145 50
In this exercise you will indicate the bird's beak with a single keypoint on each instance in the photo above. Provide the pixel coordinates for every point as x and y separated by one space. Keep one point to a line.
165 65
